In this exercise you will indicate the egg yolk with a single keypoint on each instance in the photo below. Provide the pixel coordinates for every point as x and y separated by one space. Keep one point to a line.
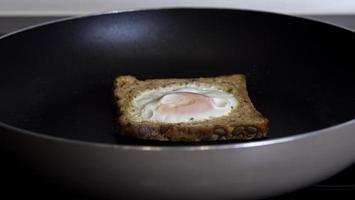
184 103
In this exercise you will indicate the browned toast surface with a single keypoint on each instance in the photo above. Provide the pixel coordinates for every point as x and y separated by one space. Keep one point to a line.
243 123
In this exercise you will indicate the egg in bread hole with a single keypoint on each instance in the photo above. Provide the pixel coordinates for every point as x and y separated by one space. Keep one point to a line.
183 104
187 110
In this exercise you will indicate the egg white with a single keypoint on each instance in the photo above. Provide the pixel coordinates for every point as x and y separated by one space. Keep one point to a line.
146 103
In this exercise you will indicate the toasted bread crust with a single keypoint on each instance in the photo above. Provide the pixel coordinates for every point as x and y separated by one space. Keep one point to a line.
243 123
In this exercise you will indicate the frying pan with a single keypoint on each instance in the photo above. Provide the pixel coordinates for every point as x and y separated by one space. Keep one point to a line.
57 113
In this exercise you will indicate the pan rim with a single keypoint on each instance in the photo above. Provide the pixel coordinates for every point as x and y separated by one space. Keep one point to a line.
108 12
187 147
205 147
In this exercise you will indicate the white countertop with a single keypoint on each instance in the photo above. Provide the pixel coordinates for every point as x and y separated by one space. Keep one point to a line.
79 7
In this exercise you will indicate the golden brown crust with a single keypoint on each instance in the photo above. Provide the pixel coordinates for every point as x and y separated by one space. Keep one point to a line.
243 123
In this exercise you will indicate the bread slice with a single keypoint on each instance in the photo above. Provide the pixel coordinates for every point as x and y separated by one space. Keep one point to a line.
243 122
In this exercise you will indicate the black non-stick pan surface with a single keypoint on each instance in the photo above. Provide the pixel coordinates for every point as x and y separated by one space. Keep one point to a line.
57 79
